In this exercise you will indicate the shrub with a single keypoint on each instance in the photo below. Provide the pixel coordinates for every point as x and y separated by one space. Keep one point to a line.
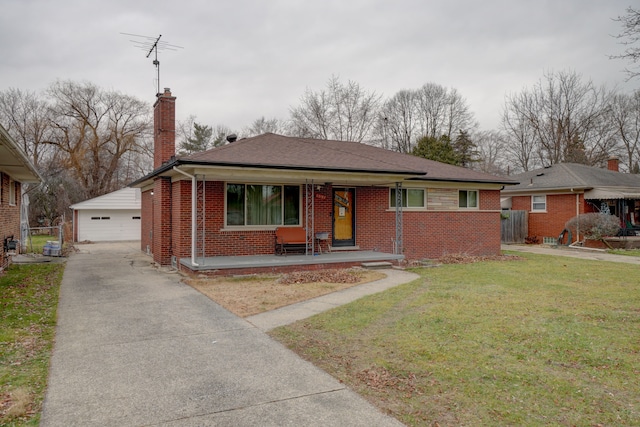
594 226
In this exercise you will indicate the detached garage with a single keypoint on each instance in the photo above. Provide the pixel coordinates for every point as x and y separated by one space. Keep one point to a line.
114 216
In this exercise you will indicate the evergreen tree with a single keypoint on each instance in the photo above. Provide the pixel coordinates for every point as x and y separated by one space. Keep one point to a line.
199 141
465 149
438 149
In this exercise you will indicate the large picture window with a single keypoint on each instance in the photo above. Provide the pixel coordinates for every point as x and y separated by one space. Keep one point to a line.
258 204
411 198
468 199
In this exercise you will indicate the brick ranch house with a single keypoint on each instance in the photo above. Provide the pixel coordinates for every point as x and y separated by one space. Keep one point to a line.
15 171
214 209
553 195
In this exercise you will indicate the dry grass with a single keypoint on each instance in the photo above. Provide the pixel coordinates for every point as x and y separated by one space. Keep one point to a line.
246 296
17 404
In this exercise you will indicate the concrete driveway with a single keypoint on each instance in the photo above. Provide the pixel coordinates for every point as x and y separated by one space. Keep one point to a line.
134 347
594 255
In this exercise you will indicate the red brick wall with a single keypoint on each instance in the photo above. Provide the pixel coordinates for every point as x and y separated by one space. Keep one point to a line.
162 245
560 209
181 218
428 234
146 227
9 215
164 124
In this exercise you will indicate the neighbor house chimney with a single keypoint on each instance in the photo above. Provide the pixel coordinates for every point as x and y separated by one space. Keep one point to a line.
164 123
613 163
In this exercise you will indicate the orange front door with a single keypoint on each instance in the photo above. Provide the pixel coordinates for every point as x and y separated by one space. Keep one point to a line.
343 217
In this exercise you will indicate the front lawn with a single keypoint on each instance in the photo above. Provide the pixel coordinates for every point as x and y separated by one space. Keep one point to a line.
628 252
28 304
539 341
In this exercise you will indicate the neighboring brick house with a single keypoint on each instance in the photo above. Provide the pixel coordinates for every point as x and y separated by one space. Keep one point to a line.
555 194
228 201
15 171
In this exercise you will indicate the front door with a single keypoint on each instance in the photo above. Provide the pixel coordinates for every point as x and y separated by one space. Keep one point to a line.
343 217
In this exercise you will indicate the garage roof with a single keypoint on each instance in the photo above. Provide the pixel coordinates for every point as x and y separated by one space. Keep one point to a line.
126 198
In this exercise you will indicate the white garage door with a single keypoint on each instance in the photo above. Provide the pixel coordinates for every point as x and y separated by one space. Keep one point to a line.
105 225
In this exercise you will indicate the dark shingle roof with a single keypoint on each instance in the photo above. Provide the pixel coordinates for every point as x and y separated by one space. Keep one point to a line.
571 175
283 152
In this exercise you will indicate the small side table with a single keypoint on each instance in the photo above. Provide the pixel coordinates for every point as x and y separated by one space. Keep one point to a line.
323 237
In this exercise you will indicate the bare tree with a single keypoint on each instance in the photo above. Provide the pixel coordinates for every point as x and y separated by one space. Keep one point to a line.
262 125
344 112
630 38
562 119
184 130
491 157
625 115
94 130
442 111
519 132
26 117
396 124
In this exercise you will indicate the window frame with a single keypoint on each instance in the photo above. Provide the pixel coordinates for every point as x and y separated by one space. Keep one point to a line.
467 207
283 216
12 192
533 203
405 198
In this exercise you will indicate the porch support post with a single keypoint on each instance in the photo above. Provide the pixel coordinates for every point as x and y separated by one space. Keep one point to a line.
193 214
309 195
398 244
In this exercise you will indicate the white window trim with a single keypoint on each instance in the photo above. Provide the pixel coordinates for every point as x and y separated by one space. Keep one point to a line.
472 208
407 208
227 227
534 203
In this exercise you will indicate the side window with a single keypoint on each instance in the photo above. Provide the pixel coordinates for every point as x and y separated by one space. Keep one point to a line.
411 198
468 199
539 203
12 192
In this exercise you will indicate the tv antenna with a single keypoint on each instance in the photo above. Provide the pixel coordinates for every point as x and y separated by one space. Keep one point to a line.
152 45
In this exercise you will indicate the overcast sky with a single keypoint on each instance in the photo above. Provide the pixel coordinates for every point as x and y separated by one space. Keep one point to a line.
244 59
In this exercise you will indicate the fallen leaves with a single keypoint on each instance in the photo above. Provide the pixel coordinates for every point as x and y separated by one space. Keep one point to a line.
469 259
328 276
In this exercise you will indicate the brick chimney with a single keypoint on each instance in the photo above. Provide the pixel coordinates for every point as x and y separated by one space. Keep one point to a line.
164 124
613 164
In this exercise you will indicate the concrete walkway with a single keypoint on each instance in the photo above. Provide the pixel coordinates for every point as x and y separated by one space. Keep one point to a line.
135 346
289 314
595 255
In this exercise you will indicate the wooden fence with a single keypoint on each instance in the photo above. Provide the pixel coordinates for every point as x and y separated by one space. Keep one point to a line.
514 226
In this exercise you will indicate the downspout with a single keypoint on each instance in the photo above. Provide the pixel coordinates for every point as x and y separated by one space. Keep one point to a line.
193 214
577 216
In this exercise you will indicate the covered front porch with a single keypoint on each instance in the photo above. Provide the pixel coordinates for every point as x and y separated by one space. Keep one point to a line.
252 264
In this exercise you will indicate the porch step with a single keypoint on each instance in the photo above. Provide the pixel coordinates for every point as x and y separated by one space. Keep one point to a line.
376 265
343 248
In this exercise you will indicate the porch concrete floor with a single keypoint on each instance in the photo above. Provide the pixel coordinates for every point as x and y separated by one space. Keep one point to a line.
258 261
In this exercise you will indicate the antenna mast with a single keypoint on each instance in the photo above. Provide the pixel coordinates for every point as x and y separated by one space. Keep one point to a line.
153 45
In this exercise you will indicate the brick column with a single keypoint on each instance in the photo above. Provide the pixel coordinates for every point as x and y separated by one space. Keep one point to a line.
162 249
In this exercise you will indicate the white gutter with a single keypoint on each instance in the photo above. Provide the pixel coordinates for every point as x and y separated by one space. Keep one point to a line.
193 215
